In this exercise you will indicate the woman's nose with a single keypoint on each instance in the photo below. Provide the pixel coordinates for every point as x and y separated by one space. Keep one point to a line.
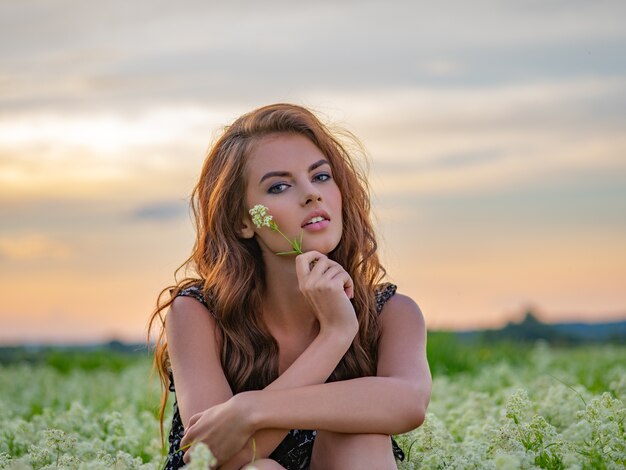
312 197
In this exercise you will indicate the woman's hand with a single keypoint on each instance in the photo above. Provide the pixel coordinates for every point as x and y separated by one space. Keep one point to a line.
224 428
328 288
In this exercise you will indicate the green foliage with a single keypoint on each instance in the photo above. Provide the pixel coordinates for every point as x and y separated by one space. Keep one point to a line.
498 406
533 412
79 418
113 356
449 355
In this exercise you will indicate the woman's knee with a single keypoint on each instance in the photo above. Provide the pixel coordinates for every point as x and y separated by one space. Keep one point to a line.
345 451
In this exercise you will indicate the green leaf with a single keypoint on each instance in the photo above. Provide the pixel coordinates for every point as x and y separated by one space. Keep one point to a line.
294 252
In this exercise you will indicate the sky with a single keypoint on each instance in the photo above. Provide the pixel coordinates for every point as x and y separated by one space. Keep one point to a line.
495 133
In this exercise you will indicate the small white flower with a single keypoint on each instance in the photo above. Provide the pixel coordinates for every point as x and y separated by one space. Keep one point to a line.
260 217
201 457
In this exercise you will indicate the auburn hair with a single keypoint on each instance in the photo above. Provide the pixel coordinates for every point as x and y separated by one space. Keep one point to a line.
230 268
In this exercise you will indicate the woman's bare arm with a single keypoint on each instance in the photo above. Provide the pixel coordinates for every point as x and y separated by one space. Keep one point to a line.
313 366
327 288
199 377
195 358
393 402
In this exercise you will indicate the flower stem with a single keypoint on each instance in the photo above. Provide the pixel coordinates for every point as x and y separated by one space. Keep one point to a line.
297 246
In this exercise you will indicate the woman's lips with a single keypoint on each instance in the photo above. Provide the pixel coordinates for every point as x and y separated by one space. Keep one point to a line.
317 226
318 214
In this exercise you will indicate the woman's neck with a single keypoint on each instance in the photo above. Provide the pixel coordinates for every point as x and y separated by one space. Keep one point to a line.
284 306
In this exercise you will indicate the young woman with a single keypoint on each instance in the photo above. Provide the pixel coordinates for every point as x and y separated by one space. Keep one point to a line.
307 359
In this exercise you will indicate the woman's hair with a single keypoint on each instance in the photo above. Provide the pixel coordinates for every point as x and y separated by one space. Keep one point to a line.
230 268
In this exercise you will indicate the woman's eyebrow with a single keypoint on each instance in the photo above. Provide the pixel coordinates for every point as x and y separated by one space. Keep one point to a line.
318 164
274 173
315 165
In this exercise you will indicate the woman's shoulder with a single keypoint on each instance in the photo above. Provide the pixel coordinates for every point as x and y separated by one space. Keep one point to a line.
190 300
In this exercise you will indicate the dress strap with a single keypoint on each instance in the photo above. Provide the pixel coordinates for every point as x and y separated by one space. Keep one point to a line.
384 292
195 291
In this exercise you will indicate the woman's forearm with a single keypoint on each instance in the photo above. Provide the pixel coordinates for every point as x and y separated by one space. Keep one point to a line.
265 441
382 405
313 366
317 362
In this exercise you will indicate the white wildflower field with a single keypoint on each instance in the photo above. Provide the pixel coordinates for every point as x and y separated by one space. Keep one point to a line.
541 408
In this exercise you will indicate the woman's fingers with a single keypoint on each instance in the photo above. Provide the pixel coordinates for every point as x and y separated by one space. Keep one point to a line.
313 264
306 261
321 268
194 419
309 267
348 284
189 436
186 440
316 271
334 273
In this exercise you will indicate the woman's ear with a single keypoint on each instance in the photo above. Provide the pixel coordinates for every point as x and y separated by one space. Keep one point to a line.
245 230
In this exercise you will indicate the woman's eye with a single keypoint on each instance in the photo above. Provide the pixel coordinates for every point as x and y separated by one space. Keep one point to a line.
277 188
321 177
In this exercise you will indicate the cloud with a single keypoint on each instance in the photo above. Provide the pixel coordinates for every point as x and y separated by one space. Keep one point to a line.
488 139
422 138
117 55
105 154
161 211
32 247
107 133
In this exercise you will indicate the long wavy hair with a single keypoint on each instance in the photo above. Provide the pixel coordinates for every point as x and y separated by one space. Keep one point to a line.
230 268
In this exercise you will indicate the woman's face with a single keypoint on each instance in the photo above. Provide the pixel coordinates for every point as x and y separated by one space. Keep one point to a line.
289 175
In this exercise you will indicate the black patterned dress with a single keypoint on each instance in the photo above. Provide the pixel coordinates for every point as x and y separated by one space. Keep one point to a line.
294 451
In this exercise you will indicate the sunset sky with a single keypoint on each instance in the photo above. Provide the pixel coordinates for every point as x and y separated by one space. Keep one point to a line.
496 133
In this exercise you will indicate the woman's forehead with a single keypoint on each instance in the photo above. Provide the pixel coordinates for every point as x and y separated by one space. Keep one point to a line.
283 152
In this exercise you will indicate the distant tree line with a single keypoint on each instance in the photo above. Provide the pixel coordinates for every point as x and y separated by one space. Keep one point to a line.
531 329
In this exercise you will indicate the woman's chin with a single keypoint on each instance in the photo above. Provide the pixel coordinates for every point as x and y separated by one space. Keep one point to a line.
323 248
